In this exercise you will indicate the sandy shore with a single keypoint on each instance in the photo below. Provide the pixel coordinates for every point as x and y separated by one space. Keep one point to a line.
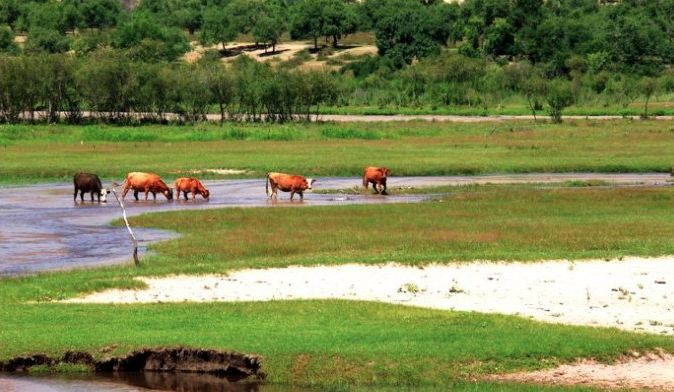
633 294
652 371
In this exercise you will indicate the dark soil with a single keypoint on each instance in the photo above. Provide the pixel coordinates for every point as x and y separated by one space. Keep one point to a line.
225 364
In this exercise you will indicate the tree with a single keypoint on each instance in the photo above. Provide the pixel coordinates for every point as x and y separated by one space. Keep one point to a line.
648 87
7 44
559 96
151 40
221 84
323 18
268 29
218 27
9 12
47 40
339 19
407 30
534 89
307 20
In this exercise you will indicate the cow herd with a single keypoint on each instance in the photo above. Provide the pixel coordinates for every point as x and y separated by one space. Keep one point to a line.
150 183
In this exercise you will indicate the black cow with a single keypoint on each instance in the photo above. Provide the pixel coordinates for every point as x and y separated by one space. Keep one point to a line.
87 182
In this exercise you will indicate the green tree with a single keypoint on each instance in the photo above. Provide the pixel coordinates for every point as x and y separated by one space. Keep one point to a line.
9 12
269 28
559 96
47 40
407 30
323 18
7 44
218 27
648 87
144 33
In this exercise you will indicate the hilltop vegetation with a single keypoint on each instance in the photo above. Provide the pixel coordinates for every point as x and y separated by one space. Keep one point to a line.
534 55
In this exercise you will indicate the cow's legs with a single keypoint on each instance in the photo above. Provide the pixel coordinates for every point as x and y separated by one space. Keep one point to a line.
135 194
92 196
375 186
147 192
82 195
125 190
383 192
75 195
301 196
154 195
185 195
292 193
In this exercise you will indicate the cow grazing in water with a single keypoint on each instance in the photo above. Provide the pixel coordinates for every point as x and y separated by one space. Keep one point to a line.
190 185
148 183
287 183
377 177
89 183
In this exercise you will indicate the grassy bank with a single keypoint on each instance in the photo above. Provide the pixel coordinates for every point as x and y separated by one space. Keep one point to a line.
323 342
341 343
54 153
488 222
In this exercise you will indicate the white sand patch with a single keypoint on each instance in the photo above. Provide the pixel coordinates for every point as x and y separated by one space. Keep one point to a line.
650 371
634 294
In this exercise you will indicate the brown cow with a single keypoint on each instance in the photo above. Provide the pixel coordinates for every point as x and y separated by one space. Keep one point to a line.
189 184
148 183
287 183
376 176
89 183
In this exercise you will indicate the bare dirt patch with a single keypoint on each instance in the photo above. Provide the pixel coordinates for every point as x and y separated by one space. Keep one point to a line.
633 294
650 371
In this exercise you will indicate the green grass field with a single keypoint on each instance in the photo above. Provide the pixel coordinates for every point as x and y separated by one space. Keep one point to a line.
340 343
54 153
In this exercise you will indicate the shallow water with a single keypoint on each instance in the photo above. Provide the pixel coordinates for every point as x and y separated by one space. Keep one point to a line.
43 229
133 382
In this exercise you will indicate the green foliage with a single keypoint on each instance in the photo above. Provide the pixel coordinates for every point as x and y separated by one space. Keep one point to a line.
218 27
558 97
47 40
406 30
7 44
147 39
323 18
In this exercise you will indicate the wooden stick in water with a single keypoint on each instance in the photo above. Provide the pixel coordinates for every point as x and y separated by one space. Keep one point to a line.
128 227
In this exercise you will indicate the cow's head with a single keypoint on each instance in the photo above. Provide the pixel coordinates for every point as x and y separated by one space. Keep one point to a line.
205 193
310 182
168 193
385 171
104 195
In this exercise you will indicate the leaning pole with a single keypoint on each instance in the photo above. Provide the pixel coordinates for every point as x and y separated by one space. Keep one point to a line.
128 227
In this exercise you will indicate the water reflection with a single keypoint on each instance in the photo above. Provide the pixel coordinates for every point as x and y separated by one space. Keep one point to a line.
128 382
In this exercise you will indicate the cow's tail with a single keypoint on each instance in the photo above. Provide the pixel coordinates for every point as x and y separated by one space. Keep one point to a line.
266 184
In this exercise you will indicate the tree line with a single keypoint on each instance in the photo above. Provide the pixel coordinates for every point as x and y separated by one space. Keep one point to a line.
630 36
113 88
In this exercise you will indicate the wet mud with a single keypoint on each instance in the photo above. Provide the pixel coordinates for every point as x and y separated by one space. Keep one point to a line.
43 229
228 365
